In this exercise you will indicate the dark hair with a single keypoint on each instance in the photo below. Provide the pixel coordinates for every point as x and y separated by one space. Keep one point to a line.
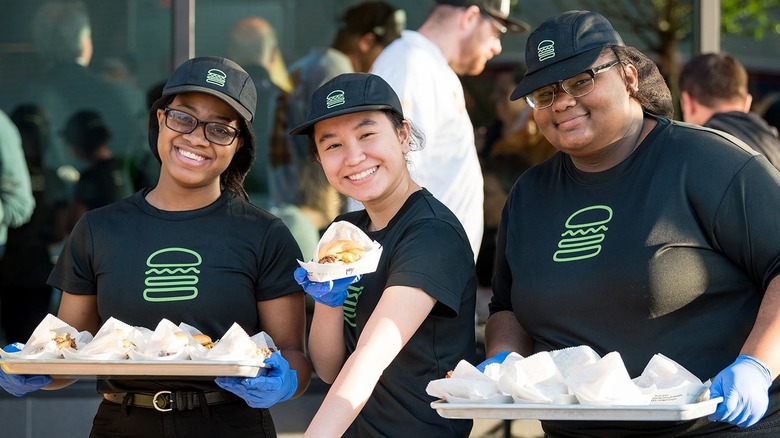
86 132
377 17
416 136
653 93
714 76
233 177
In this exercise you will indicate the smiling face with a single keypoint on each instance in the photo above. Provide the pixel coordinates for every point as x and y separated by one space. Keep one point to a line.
191 160
362 155
588 127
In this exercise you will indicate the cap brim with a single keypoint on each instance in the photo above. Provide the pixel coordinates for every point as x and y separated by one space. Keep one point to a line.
306 127
243 112
556 72
512 25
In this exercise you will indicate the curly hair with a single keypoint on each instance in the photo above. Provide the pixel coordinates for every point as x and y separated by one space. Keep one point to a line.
653 92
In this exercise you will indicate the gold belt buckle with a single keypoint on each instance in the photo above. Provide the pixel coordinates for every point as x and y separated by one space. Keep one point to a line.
162 401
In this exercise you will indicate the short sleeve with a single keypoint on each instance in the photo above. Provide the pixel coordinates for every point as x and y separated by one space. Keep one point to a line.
435 257
279 258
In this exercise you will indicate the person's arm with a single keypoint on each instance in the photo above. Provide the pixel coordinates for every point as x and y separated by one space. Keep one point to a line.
284 320
765 337
326 341
504 333
16 195
399 314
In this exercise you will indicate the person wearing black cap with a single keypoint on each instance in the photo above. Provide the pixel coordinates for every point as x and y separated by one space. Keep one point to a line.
457 38
641 235
363 31
201 132
381 338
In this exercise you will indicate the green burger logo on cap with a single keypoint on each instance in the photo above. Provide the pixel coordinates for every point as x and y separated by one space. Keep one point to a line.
173 275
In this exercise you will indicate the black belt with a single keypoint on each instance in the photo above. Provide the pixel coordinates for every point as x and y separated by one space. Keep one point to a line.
165 401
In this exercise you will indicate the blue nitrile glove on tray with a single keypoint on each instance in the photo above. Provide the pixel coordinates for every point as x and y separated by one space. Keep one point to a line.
275 383
21 384
330 293
498 358
744 386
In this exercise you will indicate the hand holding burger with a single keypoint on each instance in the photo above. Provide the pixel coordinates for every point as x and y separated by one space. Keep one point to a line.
331 293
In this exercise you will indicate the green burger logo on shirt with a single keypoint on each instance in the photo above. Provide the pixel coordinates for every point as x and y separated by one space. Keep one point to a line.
173 275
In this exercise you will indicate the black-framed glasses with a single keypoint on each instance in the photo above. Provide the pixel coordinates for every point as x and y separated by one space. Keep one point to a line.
185 123
492 20
576 86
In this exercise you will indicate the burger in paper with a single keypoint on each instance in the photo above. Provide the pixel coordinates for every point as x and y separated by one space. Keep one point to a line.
51 338
344 250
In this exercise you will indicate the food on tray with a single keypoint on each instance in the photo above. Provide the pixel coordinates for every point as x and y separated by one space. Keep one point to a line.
63 340
575 375
204 340
340 251
117 341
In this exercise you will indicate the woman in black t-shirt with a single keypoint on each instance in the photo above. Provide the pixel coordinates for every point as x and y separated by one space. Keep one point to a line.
382 338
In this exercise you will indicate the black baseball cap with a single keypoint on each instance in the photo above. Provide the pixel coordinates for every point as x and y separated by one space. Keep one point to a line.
564 46
498 9
219 77
346 94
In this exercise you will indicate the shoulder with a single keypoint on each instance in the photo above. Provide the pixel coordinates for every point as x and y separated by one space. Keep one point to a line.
429 217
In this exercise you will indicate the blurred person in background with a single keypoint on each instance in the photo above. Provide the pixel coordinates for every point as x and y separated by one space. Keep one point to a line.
102 181
457 38
252 43
17 202
714 94
32 248
62 33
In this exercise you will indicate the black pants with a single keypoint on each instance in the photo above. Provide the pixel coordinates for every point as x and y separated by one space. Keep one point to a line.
235 419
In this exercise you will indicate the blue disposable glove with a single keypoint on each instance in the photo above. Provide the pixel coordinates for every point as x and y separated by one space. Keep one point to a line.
21 384
498 358
330 293
276 384
744 386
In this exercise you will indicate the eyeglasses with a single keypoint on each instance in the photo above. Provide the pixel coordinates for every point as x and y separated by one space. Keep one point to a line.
492 20
575 86
215 132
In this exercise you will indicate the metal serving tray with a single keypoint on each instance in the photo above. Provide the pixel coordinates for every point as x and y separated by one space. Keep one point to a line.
515 411
141 369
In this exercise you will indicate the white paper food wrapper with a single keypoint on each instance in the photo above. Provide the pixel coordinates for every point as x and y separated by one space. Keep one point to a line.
535 379
607 382
41 344
672 384
467 385
168 342
112 342
572 359
343 230
237 345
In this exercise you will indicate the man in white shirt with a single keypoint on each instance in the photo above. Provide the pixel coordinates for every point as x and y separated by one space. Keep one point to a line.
422 66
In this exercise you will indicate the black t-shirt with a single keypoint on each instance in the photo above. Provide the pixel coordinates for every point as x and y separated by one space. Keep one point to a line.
669 252
206 267
423 246
752 129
